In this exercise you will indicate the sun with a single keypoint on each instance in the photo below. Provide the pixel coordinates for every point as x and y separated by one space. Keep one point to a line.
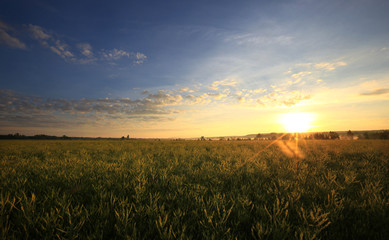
296 122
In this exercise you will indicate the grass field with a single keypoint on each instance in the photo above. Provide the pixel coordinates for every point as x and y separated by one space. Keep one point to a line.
193 190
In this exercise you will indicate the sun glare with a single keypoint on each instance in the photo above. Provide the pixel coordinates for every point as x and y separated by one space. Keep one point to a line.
296 122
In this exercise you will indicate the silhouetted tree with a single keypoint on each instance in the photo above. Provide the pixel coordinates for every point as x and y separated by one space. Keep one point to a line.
308 136
273 136
334 135
258 136
65 137
350 135
318 136
384 134
366 135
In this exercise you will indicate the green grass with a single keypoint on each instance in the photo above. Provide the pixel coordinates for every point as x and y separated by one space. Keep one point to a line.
193 190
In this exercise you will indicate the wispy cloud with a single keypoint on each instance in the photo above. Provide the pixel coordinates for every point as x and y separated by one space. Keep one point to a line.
369 91
217 95
117 54
311 73
7 38
330 66
82 52
326 66
297 77
259 39
140 58
39 33
50 41
152 104
114 54
226 82
376 92
283 99
86 49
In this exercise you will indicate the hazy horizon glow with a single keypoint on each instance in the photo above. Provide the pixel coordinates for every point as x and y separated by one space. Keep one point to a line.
190 69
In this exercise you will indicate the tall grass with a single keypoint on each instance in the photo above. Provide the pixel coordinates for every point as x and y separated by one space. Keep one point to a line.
193 190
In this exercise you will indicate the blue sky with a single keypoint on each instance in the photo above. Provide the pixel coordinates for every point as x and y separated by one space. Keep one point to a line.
191 68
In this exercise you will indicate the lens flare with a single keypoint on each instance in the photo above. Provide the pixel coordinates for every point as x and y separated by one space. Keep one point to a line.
296 122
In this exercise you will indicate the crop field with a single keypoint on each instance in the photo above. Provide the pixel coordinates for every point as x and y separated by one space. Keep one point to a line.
79 189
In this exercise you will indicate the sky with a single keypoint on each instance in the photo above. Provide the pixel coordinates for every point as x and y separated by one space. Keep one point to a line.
175 69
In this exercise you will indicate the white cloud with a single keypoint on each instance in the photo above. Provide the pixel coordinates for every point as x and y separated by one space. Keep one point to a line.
297 77
191 99
384 49
115 54
259 90
374 88
163 99
140 58
329 66
259 39
62 49
38 32
86 49
283 99
326 66
7 39
353 94
295 99
52 42
300 75
184 89
310 73
73 52
226 82
216 95
12 104
85 52
376 92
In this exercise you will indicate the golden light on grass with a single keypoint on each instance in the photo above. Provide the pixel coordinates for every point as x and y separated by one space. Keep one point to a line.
297 122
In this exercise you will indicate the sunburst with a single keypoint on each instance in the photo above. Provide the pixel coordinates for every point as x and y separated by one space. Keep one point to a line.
296 122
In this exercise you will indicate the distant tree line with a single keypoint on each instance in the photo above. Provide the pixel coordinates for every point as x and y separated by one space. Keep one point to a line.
351 135
49 137
324 135
375 135
39 136
123 138
383 134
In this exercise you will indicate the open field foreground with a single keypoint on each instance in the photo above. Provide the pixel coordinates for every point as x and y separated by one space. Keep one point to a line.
193 190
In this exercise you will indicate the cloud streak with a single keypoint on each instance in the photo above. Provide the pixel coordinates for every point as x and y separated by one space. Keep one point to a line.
226 82
260 39
117 54
163 104
11 103
83 52
7 38
328 66
376 92
50 41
